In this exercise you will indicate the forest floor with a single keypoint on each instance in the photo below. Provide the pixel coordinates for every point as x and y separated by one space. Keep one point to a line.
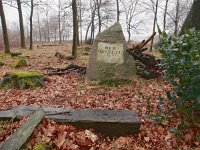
71 91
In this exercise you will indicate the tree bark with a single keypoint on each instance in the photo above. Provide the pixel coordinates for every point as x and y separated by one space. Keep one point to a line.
193 18
75 31
86 34
98 13
59 22
77 28
31 26
4 27
92 27
154 23
21 24
165 15
176 21
39 27
80 20
118 12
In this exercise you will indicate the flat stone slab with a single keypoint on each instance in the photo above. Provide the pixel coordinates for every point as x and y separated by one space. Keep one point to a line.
109 122
22 134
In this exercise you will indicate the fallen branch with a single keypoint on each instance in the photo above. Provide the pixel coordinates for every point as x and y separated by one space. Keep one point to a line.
148 66
143 43
61 56
66 70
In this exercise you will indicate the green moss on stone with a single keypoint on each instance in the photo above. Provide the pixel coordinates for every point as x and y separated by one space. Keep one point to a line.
25 74
115 82
41 146
22 80
21 62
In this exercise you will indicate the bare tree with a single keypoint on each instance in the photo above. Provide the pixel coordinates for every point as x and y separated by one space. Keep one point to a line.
21 24
93 10
176 14
39 26
176 20
132 14
154 22
118 10
31 26
75 26
165 14
59 21
4 27
193 18
20 14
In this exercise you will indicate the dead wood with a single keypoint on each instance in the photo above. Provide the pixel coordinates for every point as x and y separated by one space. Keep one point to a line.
61 56
66 70
147 64
143 43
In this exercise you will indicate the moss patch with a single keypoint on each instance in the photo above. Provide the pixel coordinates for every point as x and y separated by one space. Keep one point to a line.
22 80
21 62
2 64
115 83
41 146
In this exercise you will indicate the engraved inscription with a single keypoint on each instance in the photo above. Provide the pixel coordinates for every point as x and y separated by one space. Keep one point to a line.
110 53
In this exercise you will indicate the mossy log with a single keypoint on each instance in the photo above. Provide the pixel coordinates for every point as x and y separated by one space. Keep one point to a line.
21 62
22 80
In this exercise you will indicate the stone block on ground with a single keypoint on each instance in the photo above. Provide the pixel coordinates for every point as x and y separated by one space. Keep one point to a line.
109 122
22 134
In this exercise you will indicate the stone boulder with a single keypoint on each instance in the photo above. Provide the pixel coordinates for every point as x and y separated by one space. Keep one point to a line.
109 58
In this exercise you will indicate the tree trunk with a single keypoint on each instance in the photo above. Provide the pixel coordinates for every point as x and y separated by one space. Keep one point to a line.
92 27
4 27
75 31
80 20
77 28
154 24
39 27
86 34
118 12
165 15
21 24
31 26
176 21
59 23
193 18
99 14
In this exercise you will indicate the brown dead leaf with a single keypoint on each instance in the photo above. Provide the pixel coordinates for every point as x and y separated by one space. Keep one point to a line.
60 139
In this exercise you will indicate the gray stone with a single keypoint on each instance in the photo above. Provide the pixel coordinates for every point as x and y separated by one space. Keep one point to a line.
23 133
109 122
109 58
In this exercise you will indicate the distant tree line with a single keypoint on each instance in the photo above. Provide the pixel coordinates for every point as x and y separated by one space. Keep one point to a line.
48 20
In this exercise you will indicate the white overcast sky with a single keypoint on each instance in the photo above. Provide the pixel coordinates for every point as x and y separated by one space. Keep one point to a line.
12 20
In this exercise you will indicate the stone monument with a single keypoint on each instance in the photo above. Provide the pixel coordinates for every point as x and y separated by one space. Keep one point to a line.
109 58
